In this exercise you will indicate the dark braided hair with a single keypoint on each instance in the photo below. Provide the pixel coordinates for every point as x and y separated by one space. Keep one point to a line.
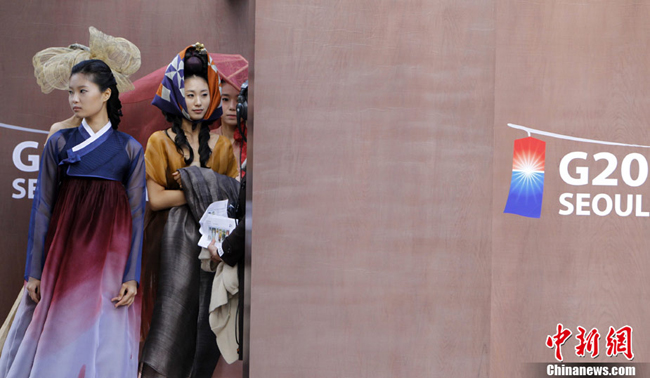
196 64
204 147
181 140
99 73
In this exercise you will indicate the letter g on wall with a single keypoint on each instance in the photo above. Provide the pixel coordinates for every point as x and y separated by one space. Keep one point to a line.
33 160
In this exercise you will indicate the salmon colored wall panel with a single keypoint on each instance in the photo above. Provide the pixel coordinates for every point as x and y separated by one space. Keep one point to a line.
371 237
581 70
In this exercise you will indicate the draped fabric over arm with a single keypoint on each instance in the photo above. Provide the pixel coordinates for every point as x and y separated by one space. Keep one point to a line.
163 159
135 189
44 198
180 341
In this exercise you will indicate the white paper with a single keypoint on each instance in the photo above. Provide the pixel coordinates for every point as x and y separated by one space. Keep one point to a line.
216 208
215 224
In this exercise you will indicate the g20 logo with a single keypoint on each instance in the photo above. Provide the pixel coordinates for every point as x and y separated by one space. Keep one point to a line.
603 204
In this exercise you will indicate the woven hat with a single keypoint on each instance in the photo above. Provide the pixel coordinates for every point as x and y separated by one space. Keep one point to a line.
52 66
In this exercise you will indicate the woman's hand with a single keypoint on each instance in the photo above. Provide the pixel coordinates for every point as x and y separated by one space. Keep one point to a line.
214 253
127 293
34 289
177 176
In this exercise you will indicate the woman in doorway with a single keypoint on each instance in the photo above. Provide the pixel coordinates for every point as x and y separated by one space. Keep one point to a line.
179 342
80 315
236 134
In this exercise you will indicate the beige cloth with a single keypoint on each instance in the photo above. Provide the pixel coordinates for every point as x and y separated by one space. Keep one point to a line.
223 305
4 331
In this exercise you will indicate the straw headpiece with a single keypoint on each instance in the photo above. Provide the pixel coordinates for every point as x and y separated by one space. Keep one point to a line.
52 66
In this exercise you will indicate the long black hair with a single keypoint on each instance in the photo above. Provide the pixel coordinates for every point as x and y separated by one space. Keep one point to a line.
196 64
99 73
181 141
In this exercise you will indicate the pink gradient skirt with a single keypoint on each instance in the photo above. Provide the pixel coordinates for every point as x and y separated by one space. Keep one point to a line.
75 330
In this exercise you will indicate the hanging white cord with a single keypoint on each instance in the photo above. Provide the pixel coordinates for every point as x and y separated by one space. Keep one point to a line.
3 125
566 137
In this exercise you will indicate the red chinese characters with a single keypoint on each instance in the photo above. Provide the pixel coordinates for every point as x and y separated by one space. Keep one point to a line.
557 340
588 343
620 341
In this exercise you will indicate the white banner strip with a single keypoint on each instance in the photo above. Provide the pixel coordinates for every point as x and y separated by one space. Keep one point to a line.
23 129
566 137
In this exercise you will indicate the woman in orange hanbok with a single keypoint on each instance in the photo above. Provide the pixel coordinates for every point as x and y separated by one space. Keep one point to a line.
187 167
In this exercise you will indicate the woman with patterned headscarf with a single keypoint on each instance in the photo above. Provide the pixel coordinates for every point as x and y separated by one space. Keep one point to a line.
187 169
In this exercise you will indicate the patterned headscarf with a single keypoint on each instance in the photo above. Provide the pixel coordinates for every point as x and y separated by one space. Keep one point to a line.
170 96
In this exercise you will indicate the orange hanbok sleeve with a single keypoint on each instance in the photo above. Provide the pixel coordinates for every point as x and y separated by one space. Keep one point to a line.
155 159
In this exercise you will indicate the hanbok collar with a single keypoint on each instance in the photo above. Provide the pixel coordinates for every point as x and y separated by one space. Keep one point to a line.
92 136
93 140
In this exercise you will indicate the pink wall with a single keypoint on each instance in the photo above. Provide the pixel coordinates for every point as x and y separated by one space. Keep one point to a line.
382 167
578 69
372 196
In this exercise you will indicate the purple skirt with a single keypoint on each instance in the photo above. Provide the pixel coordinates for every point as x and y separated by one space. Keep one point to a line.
75 330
